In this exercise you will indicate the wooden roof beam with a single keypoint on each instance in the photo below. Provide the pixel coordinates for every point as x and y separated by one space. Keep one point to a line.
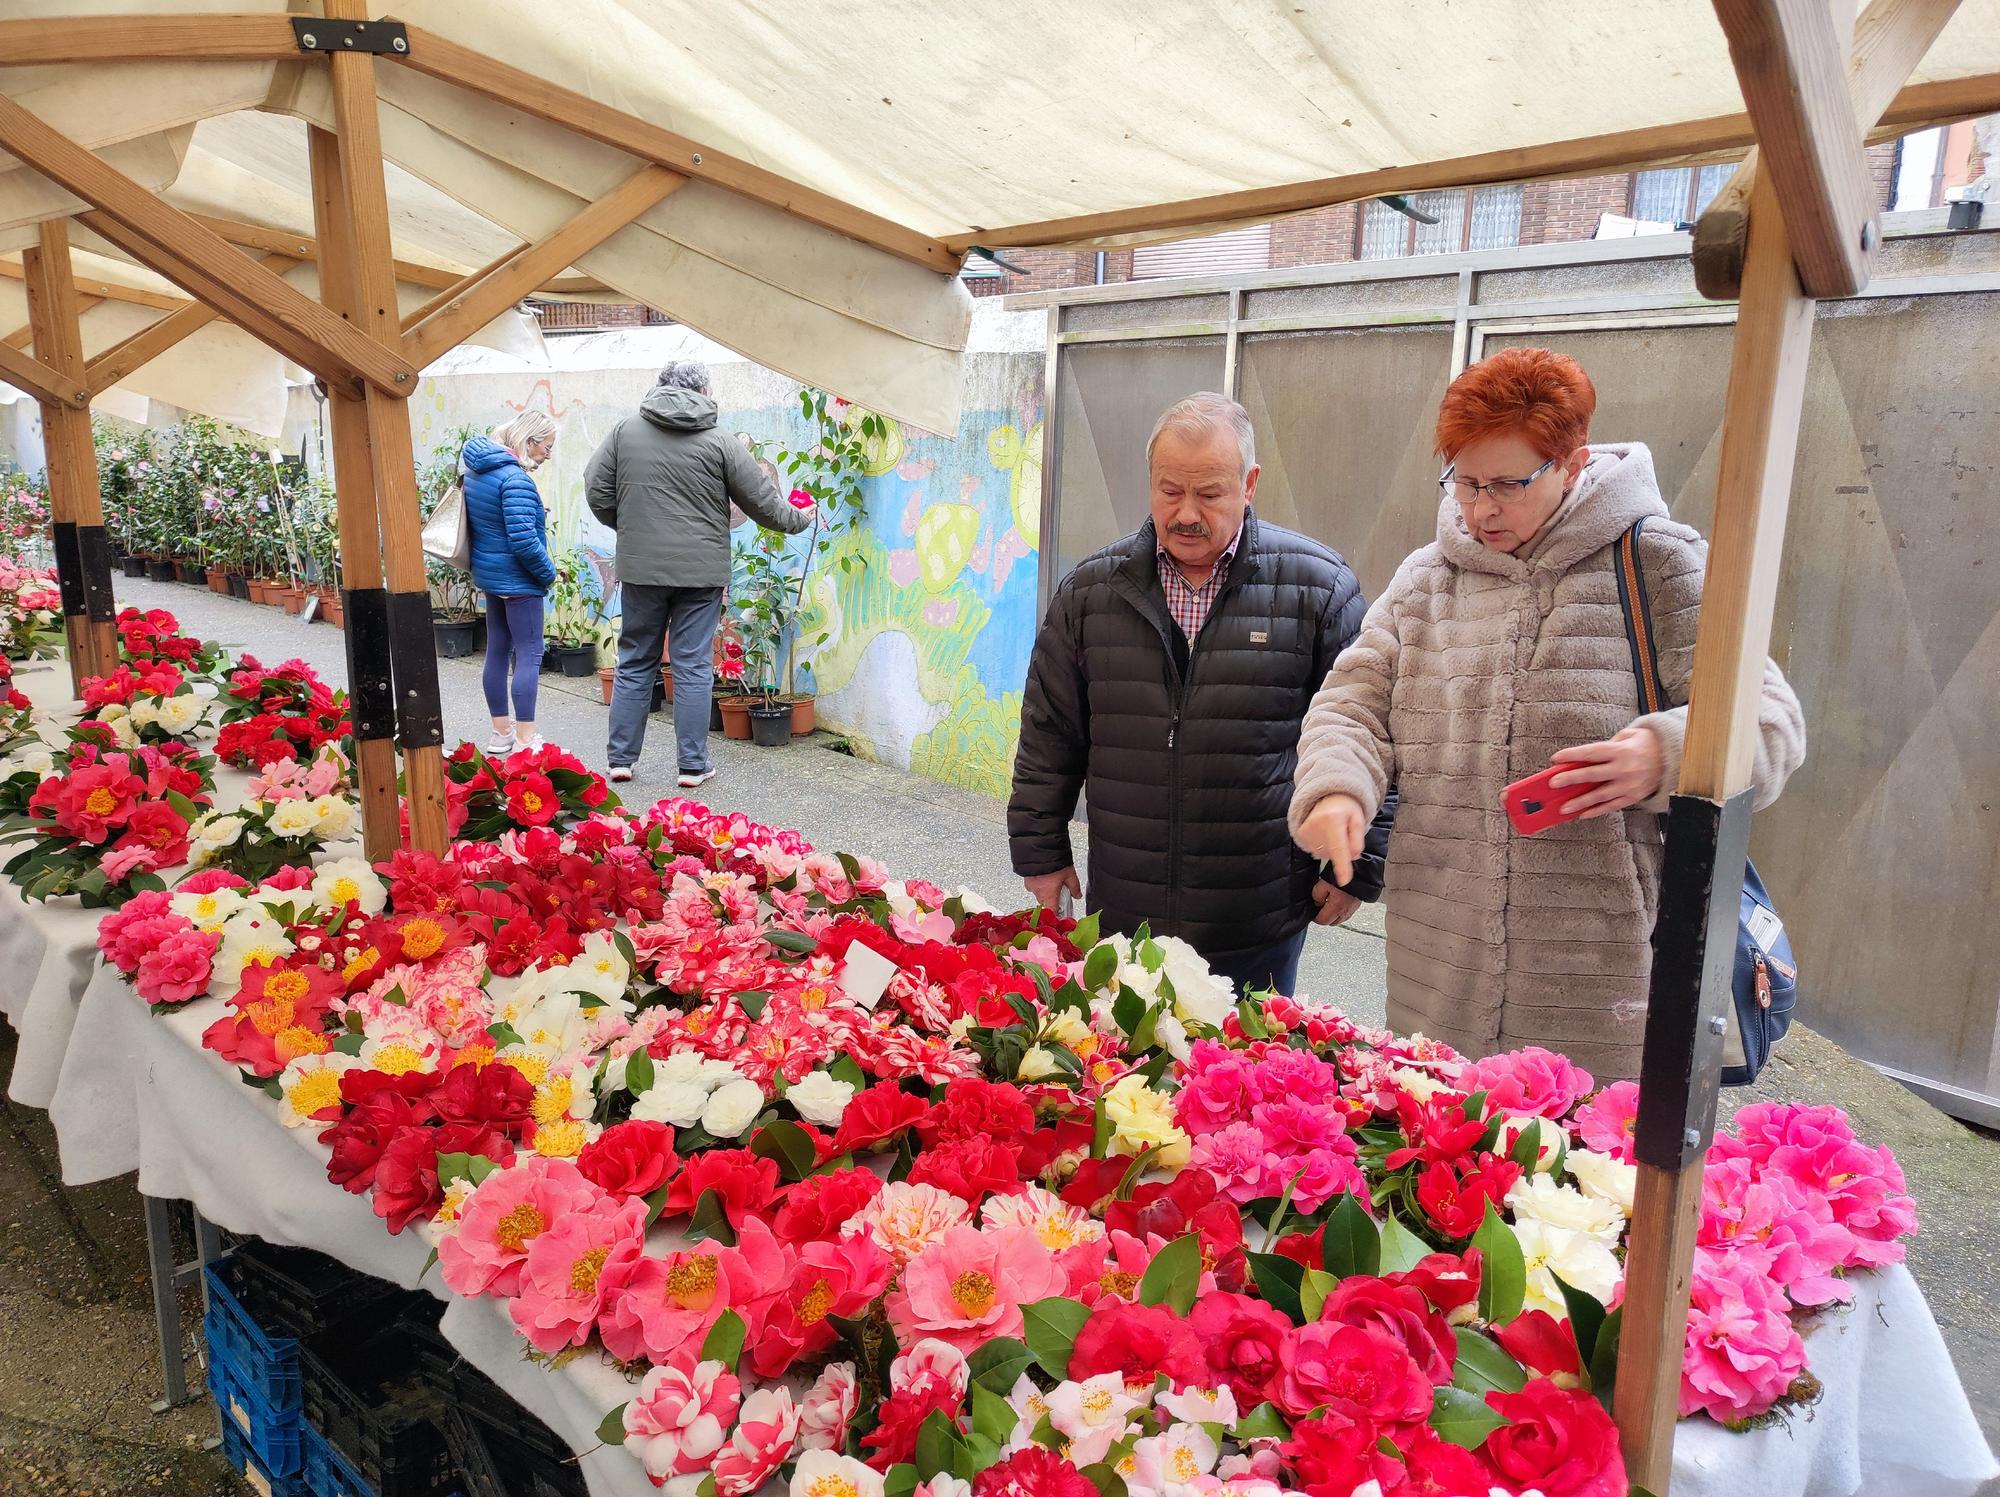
143 38
1890 39
519 89
127 356
194 258
1916 107
488 293
1792 68
98 290
39 380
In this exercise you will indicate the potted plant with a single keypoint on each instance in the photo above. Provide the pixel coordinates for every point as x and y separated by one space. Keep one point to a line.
824 472
574 623
456 623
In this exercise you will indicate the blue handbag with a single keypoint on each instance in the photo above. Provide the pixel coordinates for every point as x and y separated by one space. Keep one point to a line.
1765 982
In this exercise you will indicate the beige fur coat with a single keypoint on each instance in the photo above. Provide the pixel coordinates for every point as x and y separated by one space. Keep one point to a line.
1470 670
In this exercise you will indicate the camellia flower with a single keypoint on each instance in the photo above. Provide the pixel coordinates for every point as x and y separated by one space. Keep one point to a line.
1540 1198
506 1214
767 1430
1172 1463
823 1473
969 1286
562 1289
905 1219
828 1406
309 1089
1605 1176
1742 1349
1607 1121
1579 1259
1092 1415
680 1419
1058 1225
657 1307
1142 1118
1529 1080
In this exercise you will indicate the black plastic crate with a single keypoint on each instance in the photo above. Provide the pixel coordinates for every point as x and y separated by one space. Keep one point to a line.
372 1402
535 1461
307 1294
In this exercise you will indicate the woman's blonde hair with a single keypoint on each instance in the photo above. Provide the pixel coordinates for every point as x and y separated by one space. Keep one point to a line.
529 426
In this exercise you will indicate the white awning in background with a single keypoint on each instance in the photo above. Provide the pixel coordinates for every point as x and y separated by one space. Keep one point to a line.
950 120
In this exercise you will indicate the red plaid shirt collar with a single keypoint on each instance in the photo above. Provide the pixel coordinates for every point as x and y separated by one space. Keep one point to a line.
1187 603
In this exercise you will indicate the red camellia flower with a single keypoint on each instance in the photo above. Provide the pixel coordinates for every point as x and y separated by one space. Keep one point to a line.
406 1176
1242 1338
1033 1472
1438 1130
1359 1371
974 1108
1537 1340
1455 1203
1138 1341
1556 1440
1402 1312
817 1207
1336 1453
1448 1280
744 1183
632 1158
971 1169
875 1116
1434 1467
532 799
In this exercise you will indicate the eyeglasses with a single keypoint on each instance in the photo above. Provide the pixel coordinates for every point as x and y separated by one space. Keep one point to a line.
1503 490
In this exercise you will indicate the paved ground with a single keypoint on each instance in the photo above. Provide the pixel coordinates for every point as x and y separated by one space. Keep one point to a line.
77 1366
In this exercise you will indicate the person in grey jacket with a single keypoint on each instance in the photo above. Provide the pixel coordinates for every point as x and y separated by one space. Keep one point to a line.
664 480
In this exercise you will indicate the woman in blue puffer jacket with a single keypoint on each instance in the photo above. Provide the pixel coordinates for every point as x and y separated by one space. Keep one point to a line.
512 566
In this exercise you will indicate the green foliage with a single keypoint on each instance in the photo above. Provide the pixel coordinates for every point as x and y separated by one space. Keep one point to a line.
575 606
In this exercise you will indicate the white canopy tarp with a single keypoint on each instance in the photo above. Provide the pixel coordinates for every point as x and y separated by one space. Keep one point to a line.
947 119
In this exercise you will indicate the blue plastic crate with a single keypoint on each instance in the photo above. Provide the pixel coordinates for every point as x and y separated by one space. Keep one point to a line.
267 1365
326 1474
237 1451
272 1433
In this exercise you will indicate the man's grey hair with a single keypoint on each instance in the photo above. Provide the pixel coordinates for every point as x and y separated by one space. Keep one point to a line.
685 374
1207 414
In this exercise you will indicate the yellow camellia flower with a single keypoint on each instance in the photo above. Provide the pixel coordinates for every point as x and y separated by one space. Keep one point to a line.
1142 1118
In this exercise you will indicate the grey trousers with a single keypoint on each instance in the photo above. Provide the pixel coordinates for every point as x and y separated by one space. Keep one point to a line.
686 618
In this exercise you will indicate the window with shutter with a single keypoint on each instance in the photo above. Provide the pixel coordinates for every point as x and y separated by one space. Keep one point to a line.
1213 254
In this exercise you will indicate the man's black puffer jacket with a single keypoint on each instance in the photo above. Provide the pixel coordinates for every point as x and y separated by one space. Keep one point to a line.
1186 754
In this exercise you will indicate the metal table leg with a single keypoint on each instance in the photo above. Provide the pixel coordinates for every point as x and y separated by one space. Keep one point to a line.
168 1276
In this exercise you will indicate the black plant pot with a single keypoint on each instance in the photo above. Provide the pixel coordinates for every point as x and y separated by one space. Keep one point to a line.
135 566
239 586
770 724
194 574
573 660
162 570
715 715
455 637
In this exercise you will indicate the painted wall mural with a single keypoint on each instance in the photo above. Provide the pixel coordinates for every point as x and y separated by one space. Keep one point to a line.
930 626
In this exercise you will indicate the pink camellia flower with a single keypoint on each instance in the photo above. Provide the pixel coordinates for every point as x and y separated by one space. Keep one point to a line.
1530 1080
562 1290
1219 1088
970 1286
680 1419
1234 1156
656 1308
509 1210
1783 1231
1606 1122
829 1404
827 1279
1318 1176
179 967
931 1366
1816 1149
766 1433
1742 1350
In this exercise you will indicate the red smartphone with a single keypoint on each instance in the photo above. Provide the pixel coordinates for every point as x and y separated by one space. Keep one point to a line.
1534 805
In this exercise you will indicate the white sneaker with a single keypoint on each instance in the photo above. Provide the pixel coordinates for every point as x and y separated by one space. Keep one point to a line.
618 774
693 778
499 745
532 746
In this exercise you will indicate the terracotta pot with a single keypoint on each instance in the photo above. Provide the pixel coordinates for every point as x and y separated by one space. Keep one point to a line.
331 609
666 682
735 717
218 581
804 714
607 677
256 586
288 597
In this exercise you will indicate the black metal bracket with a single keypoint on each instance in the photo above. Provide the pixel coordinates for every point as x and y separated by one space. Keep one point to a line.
94 551
69 567
413 648
1694 962
371 699
316 35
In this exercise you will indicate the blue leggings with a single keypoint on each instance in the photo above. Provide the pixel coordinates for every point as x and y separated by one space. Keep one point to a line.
513 633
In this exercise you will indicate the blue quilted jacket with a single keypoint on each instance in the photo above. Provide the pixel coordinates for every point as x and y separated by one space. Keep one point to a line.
510 534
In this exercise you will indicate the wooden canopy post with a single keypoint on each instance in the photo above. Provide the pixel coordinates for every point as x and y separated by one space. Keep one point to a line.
83 554
1708 828
369 278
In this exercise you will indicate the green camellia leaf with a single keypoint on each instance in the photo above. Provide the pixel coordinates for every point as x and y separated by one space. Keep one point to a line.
900 1480
792 940
1087 932
1313 1290
992 1415
1402 1249
1463 1418
1263 1423
612 1430
1351 1244
1483 1367
938 1446
1503 1278
789 1145
710 1223
1051 1326
998 1365
1099 966
724 1342
1279 1280
1527 1150
638 1072
1174 1275
1586 1320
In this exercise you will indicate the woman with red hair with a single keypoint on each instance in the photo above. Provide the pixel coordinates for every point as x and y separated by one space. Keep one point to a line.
1498 651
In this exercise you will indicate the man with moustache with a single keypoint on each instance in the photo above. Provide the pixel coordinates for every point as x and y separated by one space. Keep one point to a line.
1168 683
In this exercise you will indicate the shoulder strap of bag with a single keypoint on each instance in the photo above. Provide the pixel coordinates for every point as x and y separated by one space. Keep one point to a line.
1638 611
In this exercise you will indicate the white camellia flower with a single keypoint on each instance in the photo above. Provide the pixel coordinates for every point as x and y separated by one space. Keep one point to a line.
208 911
334 816
179 714
1540 1197
682 1068
1419 1084
350 879
294 818
1037 1065
820 1099
1579 1259
145 712
310 1084
732 1107
555 1025
673 1102
1200 997
36 760
715 1073
1171 1036
599 969
1604 1177
827 1473
249 938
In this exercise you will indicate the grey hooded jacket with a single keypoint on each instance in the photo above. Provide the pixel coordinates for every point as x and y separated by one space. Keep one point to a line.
664 480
